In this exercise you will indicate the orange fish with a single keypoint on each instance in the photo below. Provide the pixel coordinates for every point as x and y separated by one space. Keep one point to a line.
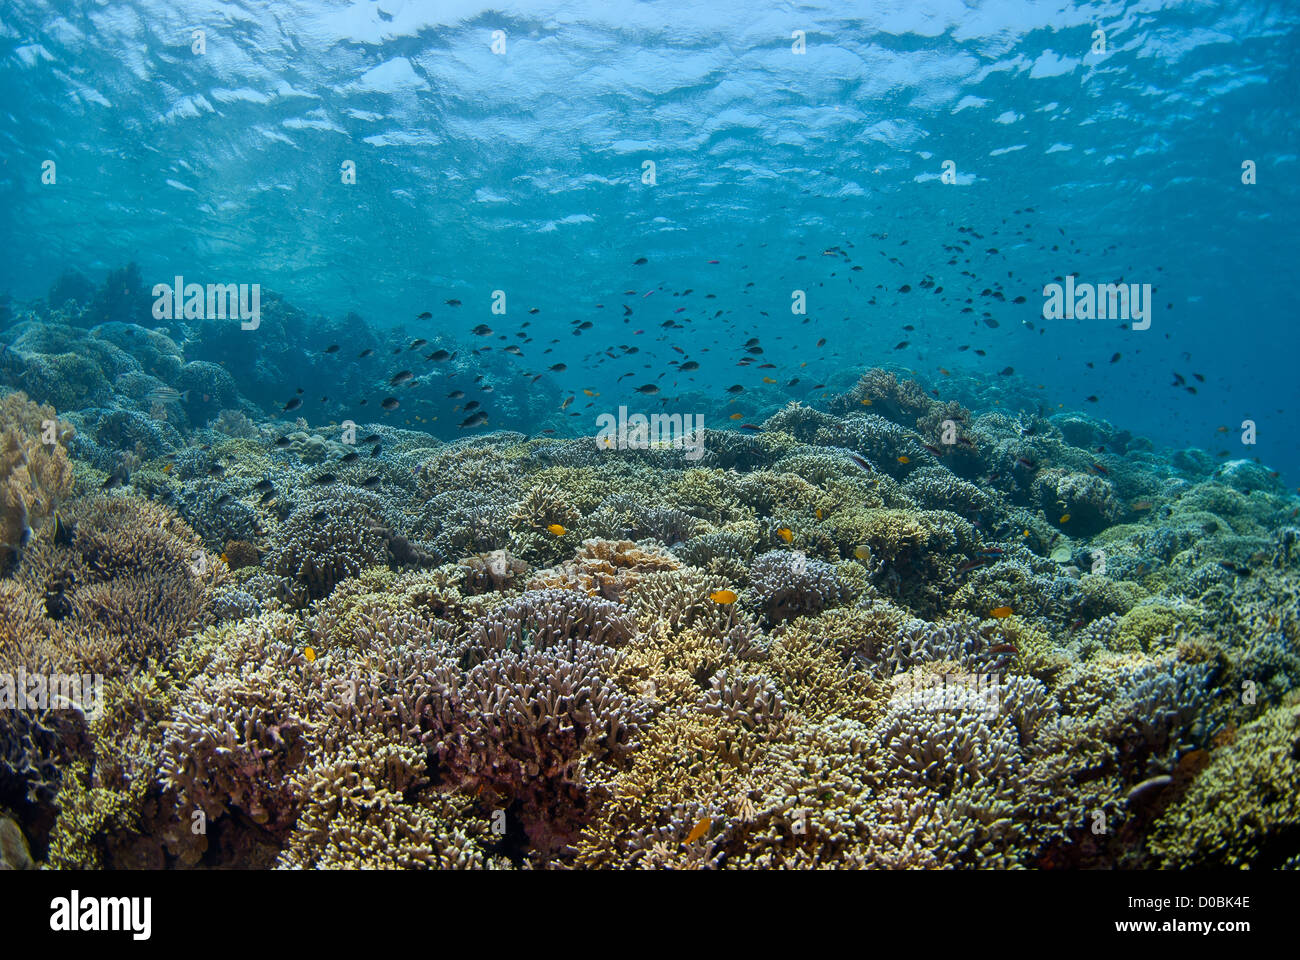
866 402
768 380
699 830
590 393
723 597
556 529
818 513
737 416
904 460
167 468
1000 612
786 534
1139 505
310 654
1065 518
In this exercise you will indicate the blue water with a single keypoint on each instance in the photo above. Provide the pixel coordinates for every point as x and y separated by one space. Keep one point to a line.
522 172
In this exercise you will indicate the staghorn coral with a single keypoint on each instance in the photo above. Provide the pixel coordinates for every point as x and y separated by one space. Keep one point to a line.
785 585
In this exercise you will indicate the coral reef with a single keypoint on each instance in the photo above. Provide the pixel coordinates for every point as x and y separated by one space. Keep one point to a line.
895 630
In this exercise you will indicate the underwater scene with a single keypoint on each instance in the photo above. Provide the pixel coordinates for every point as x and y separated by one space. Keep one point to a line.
633 435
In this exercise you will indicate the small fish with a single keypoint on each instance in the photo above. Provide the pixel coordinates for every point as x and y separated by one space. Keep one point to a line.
1000 612
565 404
862 551
786 534
452 303
319 515
390 403
365 353
1091 399
1114 358
1065 518
723 597
558 368
350 457
750 426
370 482
556 529
640 262
375 451
400 377
438 356
1003 647
325 478
167 468
648 388
1100 469
425 316
818 513
768 380
417 343
1137 506
699 830
860 462
332 348
482 330
688 366
475 419
456 395
293 404
735 388
590 393
904 459
282 442
309 654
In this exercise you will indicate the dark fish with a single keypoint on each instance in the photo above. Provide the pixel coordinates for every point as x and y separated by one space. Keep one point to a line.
792 382
320 515
224 499
640 261
860 462
325 478
416 344
821 342
401 377
217 470
1007 371
370 439
1114 358
293 404
375 451
438 356
901 345
1092 399
262 486
350 457
475 420
424 316
648 388
453 303
735 388
455 394
282 442
688 366
472 405
332 348
559 368
390 403
482 330
371 482
365 353
534 310
989 321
